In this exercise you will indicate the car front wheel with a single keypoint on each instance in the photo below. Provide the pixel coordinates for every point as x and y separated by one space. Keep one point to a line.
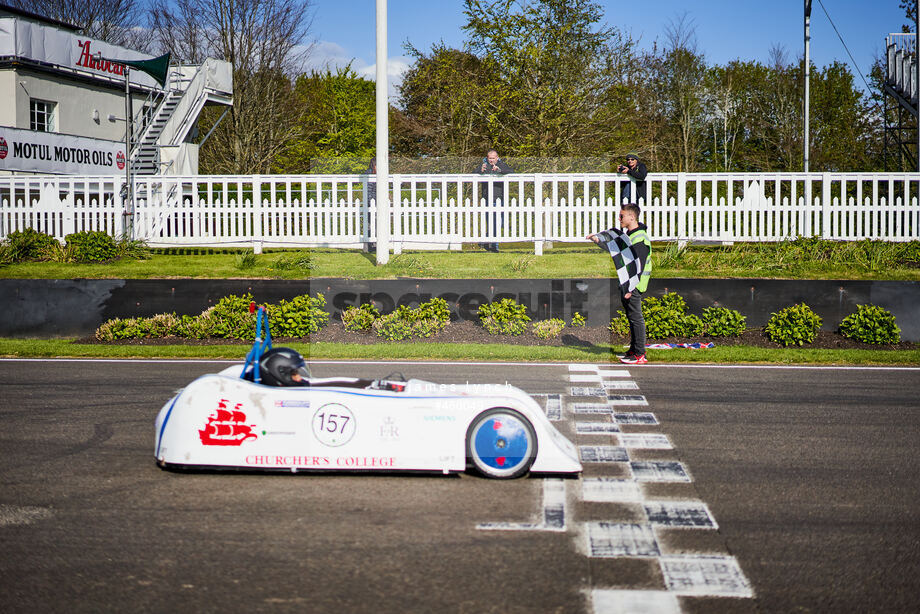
501 444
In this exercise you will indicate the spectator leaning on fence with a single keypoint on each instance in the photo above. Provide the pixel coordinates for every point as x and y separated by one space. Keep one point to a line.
631 251
634 189
493 165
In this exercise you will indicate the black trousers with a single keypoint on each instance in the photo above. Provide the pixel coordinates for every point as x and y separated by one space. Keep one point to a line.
633 308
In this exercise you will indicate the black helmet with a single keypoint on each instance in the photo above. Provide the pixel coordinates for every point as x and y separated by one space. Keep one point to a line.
278 366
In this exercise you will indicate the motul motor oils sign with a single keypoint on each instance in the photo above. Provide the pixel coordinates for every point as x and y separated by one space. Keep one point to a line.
47 152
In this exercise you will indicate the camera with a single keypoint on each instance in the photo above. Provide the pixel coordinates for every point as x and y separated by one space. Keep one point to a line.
621 168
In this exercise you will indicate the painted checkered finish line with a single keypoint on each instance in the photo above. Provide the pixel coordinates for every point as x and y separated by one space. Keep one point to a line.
640 497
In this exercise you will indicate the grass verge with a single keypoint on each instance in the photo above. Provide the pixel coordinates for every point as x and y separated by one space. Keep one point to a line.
62 348
786 260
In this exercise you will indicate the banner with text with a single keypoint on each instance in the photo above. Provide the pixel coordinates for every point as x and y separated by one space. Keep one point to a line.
60 154
49 45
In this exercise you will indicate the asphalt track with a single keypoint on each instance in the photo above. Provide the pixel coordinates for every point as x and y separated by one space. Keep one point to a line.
811 474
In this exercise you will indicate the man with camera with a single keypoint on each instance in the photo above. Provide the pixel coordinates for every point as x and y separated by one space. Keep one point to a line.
493 165
636 172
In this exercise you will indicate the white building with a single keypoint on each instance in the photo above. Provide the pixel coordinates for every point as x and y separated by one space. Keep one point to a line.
62 104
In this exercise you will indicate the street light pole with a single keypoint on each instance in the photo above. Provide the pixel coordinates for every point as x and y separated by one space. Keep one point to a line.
383 139
807 76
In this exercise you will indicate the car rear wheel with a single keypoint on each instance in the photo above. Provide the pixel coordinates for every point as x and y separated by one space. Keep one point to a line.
501 444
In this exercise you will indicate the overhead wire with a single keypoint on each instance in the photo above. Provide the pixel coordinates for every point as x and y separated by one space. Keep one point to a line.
842 42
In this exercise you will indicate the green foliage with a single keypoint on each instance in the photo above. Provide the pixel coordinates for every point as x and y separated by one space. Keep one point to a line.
504 317
871 324
668 317
435 309
796 325
92 246
664 317
25 245
298 317
578 320
392 327
135 249
519 265
245 260
118 328
619 325
360 319
337 131
723 322
548 329
295 261
427 319
229 318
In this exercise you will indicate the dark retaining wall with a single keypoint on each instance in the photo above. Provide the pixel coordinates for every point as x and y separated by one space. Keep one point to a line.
65 307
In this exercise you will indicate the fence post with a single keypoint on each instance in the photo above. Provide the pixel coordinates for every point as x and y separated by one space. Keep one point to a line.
259 227
825 205
538 230
681 206
396 235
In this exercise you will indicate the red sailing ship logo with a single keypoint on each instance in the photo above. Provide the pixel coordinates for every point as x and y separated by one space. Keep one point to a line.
226 427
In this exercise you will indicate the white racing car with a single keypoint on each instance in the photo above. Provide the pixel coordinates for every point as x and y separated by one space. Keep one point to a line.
269 414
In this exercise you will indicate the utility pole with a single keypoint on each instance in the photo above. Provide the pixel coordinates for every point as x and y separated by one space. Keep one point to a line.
807 76
383 139
917 74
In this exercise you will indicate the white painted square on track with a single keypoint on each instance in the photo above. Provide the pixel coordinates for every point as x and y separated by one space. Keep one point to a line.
584 378
583 367
705 575
591 408
659 471
637 417
610 490
612 540
603 454
679 514
626 399
613 372
609 601
596 428
585 391
621 385
646 441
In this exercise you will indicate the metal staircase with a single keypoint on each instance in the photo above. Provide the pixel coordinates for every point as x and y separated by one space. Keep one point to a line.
167 119
145 155
901 102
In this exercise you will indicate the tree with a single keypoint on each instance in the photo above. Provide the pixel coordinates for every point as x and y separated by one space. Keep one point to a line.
551 65
337 123
444 104
842 127
262 40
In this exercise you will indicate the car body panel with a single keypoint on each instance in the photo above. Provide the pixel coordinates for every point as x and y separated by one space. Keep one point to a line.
223 421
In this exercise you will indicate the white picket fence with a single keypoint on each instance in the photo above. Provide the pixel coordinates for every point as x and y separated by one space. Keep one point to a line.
441 211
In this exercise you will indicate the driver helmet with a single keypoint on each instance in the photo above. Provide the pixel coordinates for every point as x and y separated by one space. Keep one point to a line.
283 367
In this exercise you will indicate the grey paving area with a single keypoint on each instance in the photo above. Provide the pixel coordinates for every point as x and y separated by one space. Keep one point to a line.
810 475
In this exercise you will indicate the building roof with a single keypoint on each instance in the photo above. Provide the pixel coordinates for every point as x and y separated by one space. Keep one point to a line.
6 10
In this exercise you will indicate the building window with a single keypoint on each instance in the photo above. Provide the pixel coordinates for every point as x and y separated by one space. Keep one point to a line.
41 115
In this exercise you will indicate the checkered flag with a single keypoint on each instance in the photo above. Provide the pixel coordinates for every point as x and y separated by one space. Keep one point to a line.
627 264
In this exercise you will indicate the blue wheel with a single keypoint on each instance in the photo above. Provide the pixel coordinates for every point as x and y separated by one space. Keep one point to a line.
501 444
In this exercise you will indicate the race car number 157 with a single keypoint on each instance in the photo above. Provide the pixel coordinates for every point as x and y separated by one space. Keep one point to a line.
333 424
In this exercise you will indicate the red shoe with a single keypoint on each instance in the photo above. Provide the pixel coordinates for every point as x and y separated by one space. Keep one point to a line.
634 360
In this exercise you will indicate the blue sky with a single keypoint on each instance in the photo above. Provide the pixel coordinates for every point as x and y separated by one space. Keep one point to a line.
344 30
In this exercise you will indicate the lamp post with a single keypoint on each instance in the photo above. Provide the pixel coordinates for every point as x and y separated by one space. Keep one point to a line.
807 76
383 139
